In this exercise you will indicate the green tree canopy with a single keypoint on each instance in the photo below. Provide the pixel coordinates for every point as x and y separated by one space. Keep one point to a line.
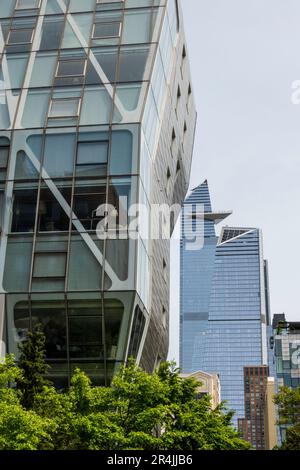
288 402
138 411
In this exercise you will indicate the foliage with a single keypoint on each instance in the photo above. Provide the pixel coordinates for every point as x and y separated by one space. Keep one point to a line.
33 367
19 429
288 402
138 411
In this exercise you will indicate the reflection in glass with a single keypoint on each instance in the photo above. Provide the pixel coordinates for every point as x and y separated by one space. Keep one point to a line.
137 331
87 199
107 30
51 215
86 337
51 316
64 107
20 36
24 208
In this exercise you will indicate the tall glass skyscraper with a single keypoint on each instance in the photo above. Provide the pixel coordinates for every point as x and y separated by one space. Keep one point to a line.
95 103
223 302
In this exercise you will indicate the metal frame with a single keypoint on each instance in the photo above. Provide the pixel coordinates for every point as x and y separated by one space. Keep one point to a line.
18 7
62 59
92 142
23 42
48 253
5 147
105 2
105 23
67 116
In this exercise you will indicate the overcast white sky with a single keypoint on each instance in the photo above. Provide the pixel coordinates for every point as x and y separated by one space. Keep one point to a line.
244 56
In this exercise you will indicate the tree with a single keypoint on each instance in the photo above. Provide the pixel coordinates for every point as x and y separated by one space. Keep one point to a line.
19 429
288 402
33 367
138 411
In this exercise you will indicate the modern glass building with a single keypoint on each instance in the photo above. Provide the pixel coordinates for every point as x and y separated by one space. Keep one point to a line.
286 353
224 310
286 344
95 103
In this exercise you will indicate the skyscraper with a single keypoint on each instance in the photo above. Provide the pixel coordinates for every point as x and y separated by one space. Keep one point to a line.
223 302
95 104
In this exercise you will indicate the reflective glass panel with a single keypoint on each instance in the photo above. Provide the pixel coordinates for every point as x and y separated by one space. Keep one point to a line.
107 30
20 36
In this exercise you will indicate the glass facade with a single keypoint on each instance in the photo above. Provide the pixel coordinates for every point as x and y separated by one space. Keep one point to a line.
84 87
285 347
223 305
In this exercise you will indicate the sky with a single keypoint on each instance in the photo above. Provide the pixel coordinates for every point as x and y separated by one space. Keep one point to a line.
244 57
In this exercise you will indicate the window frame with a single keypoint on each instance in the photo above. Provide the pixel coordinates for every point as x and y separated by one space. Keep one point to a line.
67 116
20 8
71 60
22 43
104 142
105 2
45 254
5 147
105 23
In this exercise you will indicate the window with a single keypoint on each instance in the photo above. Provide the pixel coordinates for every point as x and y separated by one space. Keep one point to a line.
51 265
24 208
165 270
178 100
53 27
71 68
164 317
91 158
51 215
178 93
85 337
173 143
107 30
111 3
86 202
64 108
132 63
52 318
114 310
137 331
28 4
169 181
20 36
92 153
4 153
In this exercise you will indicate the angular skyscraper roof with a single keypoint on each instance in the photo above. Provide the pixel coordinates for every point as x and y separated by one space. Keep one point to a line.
231 233
223 303
200 195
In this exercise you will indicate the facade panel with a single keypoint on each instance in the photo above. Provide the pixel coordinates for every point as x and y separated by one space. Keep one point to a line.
85 91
